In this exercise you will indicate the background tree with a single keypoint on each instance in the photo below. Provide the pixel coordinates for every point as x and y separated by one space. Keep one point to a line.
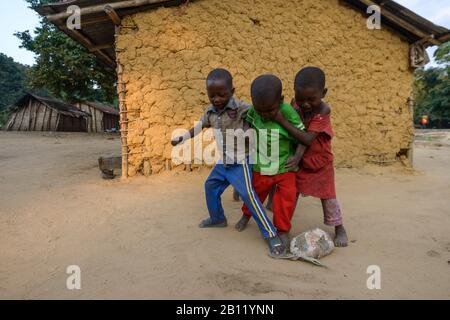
432 89
63 67
12 80
12 84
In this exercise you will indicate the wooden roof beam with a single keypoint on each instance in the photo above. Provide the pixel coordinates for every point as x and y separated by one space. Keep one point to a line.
101 8
404 24
88 44
101 47
112 14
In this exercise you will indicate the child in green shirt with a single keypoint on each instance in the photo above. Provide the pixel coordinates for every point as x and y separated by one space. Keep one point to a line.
278 153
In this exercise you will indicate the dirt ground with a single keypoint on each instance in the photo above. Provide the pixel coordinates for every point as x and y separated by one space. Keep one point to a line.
139 238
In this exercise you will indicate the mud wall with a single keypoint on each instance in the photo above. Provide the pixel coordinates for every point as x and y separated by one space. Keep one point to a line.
168 54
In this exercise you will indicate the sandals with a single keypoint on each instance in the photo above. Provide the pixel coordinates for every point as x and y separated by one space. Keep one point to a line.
207 223
277 250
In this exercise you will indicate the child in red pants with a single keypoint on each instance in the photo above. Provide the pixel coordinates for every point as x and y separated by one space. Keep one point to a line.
280 167
316 176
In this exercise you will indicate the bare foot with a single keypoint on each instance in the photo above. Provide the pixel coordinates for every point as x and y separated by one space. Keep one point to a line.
340 239
284 237
242 223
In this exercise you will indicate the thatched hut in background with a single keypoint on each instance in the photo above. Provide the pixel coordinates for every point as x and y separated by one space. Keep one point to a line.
35 113
103 117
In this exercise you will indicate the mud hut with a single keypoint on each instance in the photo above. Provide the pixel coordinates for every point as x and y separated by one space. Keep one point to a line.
35 113
163 50
103 117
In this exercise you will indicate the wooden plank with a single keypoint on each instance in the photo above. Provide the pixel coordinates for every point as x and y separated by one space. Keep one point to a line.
30 108
49 122
12 121
58 118
21 120
94 116
43 118
36 109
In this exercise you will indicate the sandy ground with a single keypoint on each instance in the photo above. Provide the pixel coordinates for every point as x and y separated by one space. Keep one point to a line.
139 238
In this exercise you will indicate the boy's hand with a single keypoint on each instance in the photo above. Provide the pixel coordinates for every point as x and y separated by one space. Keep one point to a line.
278 117
176 141
293 162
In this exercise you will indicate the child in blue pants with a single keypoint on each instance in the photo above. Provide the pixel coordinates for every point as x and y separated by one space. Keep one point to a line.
228 113
240 177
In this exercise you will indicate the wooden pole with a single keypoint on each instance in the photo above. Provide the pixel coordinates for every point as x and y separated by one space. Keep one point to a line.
121 91
100 8
112 14
88 44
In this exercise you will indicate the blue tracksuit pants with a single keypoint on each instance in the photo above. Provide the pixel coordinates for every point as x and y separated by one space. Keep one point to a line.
240 177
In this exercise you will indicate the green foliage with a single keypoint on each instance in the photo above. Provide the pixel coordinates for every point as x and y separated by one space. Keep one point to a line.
63 67
12 78
12 84
432 88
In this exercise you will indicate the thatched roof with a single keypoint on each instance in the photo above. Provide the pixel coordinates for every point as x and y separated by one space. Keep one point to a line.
97 32
106 108
58 106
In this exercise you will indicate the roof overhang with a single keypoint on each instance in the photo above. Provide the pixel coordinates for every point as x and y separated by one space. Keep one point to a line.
405 22
97 26
99 18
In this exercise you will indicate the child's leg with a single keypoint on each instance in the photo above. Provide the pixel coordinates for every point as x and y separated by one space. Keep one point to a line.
269 205
240 177
261 185
284 201
332 216
215 185
236 195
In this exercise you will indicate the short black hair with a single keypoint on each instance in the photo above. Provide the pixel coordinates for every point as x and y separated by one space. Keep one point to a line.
266 89
220 74
310 77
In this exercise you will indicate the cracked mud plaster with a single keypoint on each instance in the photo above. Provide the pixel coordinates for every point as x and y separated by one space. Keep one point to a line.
167 57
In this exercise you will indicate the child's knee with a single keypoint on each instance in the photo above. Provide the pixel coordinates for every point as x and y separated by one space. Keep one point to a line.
209 184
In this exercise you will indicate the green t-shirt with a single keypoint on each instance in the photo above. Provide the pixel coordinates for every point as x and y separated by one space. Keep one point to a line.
269 159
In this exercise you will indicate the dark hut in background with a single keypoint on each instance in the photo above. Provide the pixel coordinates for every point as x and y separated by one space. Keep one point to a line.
35 113
103 117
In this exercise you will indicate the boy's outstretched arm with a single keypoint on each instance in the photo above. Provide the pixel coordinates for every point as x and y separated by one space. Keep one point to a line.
192 133
304 137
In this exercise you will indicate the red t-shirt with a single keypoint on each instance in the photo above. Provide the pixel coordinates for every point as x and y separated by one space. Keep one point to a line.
316 176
